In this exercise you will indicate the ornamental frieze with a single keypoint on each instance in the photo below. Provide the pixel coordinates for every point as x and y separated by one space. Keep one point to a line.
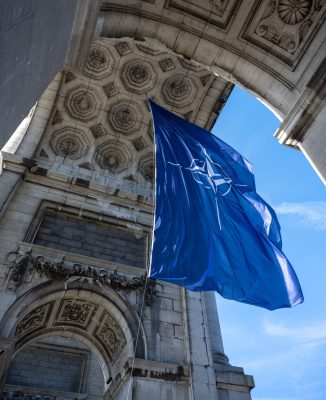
283 27
75 312
72 272
110 335
34 320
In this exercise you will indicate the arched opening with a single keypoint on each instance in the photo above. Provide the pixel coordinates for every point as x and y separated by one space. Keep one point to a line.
55 366
78 331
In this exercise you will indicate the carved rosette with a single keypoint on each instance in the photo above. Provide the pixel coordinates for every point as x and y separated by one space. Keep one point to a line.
110 335
75 312
282 26
70 142
138 76
179 90
125 116
113 156
34 320
83 103
146 167
293 11
99 62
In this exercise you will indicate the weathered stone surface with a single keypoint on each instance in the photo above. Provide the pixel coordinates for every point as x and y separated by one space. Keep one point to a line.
92 139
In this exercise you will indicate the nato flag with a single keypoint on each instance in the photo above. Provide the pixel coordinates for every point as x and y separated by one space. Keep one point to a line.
212 230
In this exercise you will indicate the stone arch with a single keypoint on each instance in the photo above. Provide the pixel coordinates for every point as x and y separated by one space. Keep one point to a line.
230 38
97 317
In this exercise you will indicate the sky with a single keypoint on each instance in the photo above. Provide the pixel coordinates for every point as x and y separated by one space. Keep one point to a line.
285 350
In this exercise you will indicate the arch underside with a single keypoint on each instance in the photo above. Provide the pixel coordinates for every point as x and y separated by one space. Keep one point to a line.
77 183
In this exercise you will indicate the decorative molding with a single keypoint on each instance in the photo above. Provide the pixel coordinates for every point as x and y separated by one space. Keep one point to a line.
139 143
34 320
18 269
99 62
95 275
138 76
70 142
83 103
167 64
123 48
216 12
284 28
109 333
110 89
125 116
179 90
75 312
97 130
113 156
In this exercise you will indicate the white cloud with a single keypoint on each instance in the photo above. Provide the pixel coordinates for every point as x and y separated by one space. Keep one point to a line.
311 334
310 213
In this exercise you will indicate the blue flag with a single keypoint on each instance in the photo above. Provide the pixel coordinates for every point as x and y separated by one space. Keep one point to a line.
212 231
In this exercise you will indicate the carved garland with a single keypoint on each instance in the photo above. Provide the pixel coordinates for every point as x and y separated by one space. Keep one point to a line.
63 270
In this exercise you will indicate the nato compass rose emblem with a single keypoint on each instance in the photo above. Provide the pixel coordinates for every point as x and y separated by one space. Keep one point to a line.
212 176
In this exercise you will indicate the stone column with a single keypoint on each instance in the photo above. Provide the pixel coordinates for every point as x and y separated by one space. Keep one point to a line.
214 330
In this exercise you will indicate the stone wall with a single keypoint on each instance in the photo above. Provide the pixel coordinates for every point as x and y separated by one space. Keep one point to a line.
91 239
56 367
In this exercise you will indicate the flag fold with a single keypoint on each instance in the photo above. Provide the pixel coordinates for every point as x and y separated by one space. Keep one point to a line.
212 231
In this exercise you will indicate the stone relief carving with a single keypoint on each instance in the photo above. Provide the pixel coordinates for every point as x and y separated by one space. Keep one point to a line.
123 48
34 320
138 76
146 167
282 26
167 64
69 271
113 156
83 103
17 271
125 116
293 11
110 335
99 62
110 89
97 130
216 12
75 312
179 90
70 142
139 143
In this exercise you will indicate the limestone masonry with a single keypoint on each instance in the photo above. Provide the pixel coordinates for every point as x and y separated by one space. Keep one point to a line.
77 318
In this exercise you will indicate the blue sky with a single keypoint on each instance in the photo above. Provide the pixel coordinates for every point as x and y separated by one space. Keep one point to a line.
285 350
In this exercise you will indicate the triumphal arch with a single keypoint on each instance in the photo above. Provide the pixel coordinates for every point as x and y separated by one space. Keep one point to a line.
78 319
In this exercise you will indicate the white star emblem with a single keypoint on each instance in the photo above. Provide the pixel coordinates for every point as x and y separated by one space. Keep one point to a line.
211 175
